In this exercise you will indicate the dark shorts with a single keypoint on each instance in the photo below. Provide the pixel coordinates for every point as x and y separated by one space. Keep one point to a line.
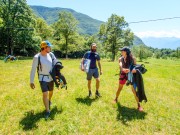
46 86
92 72
123 78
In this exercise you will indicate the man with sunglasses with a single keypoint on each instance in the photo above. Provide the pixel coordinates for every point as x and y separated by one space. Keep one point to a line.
43 62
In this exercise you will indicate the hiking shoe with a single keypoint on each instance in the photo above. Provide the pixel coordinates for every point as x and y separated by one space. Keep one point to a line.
47 115
64 86
97 94
140 108
90 94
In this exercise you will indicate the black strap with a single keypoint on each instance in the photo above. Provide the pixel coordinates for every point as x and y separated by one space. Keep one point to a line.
39 65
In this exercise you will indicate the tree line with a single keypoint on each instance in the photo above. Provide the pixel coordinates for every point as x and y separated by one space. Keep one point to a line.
21 32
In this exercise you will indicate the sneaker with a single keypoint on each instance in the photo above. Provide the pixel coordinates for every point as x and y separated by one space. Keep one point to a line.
64 86
47 115
90 94
97 94
140 108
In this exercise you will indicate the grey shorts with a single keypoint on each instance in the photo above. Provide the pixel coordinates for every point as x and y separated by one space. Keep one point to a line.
46 86
92 72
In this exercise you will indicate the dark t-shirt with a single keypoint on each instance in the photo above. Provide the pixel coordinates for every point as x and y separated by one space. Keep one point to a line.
93 56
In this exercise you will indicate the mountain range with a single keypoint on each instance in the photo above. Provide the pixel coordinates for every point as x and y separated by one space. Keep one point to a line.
90 26
87 25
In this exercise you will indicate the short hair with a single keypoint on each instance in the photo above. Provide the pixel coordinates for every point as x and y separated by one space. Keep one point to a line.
93 44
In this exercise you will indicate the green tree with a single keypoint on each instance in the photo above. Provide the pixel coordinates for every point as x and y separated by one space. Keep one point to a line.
17 20
1 22
43 29
114 34
142 52
65 27
178 52
157 54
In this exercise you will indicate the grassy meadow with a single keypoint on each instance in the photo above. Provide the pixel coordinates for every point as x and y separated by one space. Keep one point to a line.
22 110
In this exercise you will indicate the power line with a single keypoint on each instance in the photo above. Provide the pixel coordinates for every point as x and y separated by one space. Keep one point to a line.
161 19
155 20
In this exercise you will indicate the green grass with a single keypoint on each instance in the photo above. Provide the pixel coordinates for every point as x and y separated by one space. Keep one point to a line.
22 110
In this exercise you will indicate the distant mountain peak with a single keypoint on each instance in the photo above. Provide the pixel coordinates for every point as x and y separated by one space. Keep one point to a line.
87 25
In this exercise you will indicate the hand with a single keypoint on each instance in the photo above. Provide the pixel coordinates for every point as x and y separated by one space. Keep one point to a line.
133 71
32 85
126 70
100 72
82 68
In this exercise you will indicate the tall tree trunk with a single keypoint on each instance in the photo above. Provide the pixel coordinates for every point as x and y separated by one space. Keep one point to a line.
113 52
66 48
113 55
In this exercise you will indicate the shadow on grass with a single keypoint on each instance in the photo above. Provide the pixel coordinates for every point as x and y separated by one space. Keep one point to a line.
30 120
87 101
126 114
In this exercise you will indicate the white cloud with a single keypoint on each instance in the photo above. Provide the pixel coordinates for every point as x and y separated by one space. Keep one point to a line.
172 33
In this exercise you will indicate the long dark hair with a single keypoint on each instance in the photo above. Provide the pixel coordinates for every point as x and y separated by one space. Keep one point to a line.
129 59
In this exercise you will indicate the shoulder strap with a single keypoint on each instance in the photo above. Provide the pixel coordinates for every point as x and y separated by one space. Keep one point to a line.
51 55
88 55
39 62
39 66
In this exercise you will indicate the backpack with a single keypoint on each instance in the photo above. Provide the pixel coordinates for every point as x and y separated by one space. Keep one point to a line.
39 66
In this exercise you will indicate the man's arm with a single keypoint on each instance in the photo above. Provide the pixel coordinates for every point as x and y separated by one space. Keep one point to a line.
99 65
82 64
33 71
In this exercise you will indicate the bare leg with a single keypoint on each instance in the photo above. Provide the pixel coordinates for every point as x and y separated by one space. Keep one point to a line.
97 83
118 92
89 85
89 88
137 99
50 94
134 92
46 101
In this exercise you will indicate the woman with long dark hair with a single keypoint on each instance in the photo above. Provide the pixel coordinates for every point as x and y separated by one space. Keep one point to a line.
125 63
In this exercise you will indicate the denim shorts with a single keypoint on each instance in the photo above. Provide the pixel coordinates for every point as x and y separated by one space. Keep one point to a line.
46 86
92 72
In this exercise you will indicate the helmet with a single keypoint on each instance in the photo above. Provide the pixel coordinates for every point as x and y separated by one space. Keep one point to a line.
45 44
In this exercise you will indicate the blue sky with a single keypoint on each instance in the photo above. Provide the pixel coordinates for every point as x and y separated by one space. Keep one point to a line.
132 10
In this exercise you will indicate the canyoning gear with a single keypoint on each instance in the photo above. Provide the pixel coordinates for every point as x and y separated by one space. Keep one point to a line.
55 73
